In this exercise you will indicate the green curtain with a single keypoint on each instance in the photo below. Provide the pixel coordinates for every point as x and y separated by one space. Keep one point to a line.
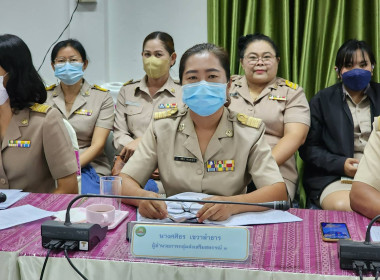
308 34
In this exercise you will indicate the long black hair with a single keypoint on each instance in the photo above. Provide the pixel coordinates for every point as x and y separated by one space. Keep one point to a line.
24 85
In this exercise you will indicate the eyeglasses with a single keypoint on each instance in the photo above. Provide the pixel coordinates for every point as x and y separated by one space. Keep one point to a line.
266 59
71 60
182 211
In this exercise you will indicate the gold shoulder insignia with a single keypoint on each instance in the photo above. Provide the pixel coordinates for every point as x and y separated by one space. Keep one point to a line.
50 87
41 108
127 83
291 84
249 121
165 114
100 88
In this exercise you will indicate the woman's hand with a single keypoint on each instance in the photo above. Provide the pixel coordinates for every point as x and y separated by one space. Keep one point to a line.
215 212
153 209
129 149
351 166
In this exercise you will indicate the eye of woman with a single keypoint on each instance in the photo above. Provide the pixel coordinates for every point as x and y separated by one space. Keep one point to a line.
147 54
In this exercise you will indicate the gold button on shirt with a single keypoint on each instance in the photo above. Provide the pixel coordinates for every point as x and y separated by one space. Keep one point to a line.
279 103
182 168
50 155
135 108
92 108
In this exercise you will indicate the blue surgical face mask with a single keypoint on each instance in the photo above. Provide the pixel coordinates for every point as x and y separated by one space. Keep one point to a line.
204 98
356 79
69 73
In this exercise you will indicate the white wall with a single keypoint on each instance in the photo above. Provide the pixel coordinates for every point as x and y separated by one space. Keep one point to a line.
112 31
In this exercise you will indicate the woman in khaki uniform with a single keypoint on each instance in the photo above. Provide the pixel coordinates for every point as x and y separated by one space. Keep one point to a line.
365 192
281 104
206 147
36 151
138 101
89 109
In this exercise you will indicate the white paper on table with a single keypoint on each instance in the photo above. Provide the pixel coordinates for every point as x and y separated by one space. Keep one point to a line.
77 215
12 197
21 215
375 233
248 218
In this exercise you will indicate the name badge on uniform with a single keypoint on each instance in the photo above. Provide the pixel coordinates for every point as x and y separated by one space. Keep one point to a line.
277 97
167 106
19 144
83 112
187 159
220 165
127 102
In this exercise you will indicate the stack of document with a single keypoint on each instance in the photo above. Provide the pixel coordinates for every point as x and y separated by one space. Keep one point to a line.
12 197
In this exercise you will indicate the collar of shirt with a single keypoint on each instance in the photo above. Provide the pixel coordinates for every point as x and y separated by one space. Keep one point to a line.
168 86
345 92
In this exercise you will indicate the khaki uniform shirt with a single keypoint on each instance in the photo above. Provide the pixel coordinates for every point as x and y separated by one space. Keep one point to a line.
278 104
361 117
135 108
92 108
235 155
368 169
49 156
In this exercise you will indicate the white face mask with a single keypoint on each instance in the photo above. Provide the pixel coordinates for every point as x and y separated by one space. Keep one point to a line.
3 92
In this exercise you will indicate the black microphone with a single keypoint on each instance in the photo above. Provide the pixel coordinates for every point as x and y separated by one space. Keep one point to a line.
3 197
92 234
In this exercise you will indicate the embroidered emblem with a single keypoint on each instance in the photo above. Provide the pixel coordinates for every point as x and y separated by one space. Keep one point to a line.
24 122
41 108
220 165
276 97
291 84
229 133
181 127
19 144
249 121
167 106
165 114
172 90
83 112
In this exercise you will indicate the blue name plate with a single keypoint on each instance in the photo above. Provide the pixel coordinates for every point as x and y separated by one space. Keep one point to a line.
190 242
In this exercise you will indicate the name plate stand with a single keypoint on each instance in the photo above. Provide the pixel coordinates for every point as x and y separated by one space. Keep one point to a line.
190 242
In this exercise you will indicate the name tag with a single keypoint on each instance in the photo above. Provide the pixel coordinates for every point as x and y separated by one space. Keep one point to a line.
277 97
220 165
187 159
19 144
132 103
167 106
83 112
190 242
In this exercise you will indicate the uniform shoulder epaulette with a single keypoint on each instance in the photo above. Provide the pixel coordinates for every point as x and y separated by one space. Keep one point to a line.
129 82
249 121
165 114
291 84
99 88
53 86
378 124
41 108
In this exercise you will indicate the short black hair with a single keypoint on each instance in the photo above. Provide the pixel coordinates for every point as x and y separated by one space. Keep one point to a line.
75 44
244 41
24 85
346 52
219 52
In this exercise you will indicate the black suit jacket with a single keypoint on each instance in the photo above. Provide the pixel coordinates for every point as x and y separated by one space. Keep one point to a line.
331 137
